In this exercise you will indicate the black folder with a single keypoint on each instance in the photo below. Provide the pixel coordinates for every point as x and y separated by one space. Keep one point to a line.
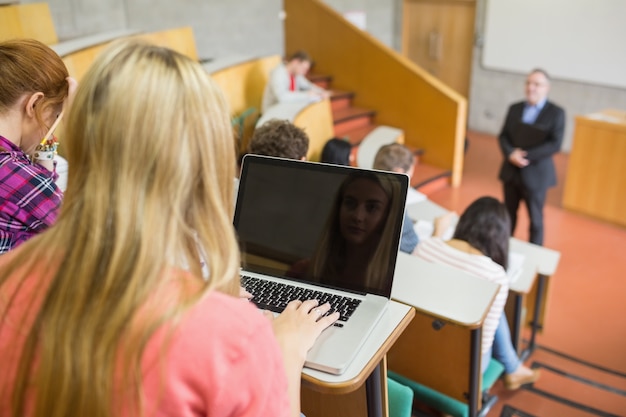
527 136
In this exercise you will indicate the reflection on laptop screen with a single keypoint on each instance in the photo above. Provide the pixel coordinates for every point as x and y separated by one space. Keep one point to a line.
326 224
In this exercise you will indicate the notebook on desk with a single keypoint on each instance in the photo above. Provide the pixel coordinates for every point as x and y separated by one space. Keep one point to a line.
318 231
526 136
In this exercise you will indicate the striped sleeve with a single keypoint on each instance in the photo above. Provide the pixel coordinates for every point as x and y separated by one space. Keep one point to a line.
437 251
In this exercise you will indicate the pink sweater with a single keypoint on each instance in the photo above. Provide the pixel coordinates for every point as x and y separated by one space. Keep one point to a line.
222 360
437 251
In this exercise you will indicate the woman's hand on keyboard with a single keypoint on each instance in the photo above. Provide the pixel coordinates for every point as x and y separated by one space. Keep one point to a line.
244 294
299 325
296 329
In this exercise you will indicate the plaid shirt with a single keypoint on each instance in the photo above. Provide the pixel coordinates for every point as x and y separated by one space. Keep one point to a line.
29 197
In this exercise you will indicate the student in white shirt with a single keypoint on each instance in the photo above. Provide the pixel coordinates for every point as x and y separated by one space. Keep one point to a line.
288 83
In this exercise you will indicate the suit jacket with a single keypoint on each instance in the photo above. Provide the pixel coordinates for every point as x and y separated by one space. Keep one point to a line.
539 174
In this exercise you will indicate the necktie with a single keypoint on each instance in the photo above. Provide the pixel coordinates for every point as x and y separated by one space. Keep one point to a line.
292 83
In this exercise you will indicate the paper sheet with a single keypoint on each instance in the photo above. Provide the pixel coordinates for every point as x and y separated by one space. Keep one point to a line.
424 229
516 265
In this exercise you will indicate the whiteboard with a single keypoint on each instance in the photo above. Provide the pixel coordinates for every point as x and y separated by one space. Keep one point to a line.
578 40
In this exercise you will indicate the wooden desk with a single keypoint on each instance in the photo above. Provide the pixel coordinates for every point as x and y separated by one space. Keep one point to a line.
362 389
530 289
442 346
541 262
596 180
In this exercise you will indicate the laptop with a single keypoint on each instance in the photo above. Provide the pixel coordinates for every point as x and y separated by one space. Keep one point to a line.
309 230
526 136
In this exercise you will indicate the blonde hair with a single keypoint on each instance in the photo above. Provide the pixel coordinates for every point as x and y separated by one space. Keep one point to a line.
330 249
150 191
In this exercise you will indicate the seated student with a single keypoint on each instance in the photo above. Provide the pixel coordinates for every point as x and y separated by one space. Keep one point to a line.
107 312
35 84
288 83
337 151
279 138
480 247
398 158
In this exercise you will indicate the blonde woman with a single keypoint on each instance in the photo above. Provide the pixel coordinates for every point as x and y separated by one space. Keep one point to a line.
106 313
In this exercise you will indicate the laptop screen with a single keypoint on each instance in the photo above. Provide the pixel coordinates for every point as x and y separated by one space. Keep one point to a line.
325 224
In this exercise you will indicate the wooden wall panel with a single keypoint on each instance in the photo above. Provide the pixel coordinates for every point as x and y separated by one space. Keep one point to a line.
438 35
317 121
439 359
432 115
28 21
595 180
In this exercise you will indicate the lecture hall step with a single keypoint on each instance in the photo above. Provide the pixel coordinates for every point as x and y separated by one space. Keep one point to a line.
355 124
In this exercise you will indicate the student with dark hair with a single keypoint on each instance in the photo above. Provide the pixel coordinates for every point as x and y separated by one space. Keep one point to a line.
480 247
337 151
288 83
279 138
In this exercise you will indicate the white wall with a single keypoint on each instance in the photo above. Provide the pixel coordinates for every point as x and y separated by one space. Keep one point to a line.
252 27
492 91
579 40
221 28
379 16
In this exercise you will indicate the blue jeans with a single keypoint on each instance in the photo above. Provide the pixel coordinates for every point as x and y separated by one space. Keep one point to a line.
502 349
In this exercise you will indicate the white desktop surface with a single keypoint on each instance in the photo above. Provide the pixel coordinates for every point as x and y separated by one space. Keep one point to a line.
442 291
539 259
425 210
525 281
225 62
390 319
70 46
545 259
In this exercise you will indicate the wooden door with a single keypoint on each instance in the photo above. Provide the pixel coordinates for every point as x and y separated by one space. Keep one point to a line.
438 35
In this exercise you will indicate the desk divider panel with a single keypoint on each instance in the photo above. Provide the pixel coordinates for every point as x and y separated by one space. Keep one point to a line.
32 20
316 404
243 85
317 121
439 359
179 39
531 300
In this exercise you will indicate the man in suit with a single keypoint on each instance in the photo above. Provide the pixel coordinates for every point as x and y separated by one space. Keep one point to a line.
528 172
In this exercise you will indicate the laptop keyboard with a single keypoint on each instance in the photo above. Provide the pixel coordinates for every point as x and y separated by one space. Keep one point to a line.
275 296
